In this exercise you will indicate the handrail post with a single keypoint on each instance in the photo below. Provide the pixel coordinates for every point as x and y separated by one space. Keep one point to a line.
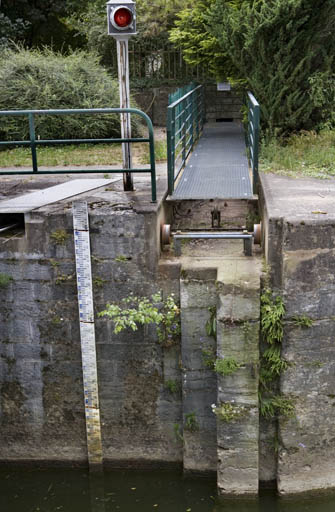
191 118
256 144
32 141
169 151
253 136
183 117
152 166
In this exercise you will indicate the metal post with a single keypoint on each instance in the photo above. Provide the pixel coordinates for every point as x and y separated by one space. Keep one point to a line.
123 71
32 141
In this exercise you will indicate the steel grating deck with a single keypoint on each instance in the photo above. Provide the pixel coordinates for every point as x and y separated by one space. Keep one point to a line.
218 167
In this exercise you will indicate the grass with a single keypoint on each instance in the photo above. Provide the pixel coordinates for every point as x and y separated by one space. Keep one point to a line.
83 155
306 154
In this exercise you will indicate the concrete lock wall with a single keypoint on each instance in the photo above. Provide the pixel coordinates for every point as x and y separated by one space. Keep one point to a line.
145 420
42 402
299 233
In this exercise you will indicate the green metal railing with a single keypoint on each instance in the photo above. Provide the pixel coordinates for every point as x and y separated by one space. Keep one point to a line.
33 142
185 119
253 136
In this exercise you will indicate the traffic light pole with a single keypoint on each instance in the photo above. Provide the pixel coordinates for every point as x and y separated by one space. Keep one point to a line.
121 24
123 71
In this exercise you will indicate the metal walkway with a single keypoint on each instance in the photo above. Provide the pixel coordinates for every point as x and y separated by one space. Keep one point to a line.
218 167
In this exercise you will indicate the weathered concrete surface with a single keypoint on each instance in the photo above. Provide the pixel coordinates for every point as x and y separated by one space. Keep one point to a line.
197 294
299 227
196 214
238 338
236 297
41 406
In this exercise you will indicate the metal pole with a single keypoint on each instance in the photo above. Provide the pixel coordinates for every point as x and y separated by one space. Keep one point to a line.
123 70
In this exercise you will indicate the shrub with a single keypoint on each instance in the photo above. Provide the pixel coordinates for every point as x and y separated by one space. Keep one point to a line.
42 79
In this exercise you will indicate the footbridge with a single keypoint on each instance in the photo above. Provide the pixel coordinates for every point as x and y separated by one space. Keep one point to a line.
210 160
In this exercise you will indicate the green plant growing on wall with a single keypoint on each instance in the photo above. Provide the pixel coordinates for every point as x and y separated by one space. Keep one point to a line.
121 258
191 423
135 311
272 364
208 356
302 321
54 263
5 279
229 411
211 322
64 278
276 405
226 366
99 282
59 237
172 385
177 429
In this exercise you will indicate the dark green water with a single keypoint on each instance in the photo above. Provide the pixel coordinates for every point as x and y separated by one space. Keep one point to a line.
128 491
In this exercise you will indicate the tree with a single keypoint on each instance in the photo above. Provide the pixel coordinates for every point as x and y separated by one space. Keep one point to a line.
199 43
190 34
38 22
276 46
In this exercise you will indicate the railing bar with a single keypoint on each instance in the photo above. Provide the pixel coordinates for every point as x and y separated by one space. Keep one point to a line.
68 171
71 141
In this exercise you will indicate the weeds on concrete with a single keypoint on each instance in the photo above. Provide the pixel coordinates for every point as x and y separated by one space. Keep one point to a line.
99 282
172 385
302 321
226 366
177 429
277 405
59 237
272 365
229 411
191 423
5 279
211 322
121 258
208 356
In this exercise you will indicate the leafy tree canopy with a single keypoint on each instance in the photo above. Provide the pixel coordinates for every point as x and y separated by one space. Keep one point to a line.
276 46
38 22
192 32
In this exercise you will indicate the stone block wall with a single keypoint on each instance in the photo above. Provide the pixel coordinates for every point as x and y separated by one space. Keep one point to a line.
219 104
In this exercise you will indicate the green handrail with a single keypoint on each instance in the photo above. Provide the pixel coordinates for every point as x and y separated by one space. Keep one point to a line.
185 120
253 136
33 143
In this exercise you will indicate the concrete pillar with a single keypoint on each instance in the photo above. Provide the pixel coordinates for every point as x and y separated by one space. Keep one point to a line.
237 393
197 293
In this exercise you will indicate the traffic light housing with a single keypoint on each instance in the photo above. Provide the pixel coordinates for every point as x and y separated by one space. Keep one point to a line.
121 18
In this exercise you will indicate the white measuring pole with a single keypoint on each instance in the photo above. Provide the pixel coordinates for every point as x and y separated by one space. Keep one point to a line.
87 333
123 71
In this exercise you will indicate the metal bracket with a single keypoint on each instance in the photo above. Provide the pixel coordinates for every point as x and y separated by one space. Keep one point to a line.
216 218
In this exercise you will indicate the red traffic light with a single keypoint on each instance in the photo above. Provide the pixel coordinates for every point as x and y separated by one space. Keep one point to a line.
122 17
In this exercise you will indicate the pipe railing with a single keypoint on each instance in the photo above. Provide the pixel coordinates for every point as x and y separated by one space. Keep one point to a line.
253 136
185 120
33 142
